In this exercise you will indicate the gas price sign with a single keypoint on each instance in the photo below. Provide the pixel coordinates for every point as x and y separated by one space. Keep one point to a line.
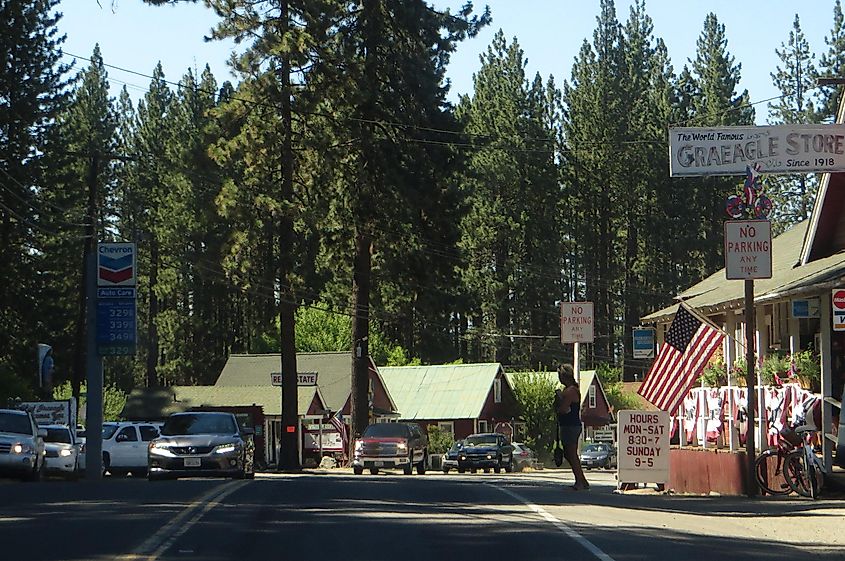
643 446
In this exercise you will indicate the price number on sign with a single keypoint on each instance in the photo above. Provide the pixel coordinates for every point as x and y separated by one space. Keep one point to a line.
121 312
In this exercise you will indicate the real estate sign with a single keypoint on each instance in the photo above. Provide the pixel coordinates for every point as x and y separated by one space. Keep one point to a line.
770 150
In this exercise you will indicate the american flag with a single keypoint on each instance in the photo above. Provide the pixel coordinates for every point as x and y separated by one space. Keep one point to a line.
688 346
337 422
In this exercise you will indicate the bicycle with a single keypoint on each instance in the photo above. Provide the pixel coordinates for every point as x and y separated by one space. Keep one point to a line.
805 469
777 483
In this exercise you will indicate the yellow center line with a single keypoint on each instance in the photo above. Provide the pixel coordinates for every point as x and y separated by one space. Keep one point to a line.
154 546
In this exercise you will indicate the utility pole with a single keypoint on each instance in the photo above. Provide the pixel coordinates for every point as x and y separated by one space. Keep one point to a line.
79 359
290 437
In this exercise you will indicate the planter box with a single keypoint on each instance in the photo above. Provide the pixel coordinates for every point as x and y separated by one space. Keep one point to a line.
700 471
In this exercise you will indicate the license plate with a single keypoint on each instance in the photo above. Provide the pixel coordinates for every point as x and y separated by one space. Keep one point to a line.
378 463
193 462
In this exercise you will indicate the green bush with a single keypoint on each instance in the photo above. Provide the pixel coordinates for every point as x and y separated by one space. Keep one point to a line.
439 441
114 399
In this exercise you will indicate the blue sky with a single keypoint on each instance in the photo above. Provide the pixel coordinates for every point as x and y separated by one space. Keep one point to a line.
136 36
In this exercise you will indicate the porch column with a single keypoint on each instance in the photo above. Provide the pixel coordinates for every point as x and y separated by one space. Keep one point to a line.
794 326
730 359
827 378
762 346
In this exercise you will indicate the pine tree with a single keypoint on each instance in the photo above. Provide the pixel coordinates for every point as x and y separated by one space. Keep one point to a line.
31 94
85 132
595 130
795 77
717 78
832 64
390 94
510 233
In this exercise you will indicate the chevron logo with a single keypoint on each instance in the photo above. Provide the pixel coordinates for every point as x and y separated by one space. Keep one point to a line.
116 264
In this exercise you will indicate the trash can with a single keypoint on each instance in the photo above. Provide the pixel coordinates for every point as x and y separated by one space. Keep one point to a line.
435 461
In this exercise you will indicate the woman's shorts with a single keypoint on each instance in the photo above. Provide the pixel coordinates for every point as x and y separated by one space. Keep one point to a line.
569 434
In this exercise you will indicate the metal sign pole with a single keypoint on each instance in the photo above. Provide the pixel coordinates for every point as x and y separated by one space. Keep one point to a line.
750 382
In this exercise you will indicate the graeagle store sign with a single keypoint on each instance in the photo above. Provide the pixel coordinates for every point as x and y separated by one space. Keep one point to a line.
769 150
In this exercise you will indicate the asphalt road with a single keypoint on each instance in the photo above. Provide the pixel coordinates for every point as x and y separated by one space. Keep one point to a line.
397 517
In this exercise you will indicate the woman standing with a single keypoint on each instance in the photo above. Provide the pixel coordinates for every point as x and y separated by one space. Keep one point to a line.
568 409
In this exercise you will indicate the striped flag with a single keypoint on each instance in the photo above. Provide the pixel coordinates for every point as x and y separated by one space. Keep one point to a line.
688 346
337 422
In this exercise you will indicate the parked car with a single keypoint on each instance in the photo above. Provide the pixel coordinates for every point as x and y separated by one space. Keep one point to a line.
125 447
202 443
450 458
21 445
391 445
523 456
598 455
486 451
61 451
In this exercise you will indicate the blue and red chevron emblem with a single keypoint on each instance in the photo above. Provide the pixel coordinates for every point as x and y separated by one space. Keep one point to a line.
116 264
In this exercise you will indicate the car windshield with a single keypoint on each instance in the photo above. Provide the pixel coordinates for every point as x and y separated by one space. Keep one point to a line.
108 431
18 424
386 430
477 439
58 435
596 448
199 424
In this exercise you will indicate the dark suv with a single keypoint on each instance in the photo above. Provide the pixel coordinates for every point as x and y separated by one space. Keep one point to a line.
486 451
391 445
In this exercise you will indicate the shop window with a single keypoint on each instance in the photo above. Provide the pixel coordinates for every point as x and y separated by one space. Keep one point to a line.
497 390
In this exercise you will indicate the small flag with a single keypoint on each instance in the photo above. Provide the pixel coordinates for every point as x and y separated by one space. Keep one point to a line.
337 422
688 346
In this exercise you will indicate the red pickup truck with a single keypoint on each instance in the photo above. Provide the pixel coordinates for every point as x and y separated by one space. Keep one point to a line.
391 445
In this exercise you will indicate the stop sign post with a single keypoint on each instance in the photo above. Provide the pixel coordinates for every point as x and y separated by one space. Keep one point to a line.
837 302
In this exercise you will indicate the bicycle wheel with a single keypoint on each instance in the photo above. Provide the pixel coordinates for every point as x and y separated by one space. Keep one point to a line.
805 478
796 473
776 484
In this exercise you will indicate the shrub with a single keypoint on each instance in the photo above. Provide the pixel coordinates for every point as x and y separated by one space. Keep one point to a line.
439 441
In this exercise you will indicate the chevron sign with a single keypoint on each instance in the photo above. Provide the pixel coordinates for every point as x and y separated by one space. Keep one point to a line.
116 264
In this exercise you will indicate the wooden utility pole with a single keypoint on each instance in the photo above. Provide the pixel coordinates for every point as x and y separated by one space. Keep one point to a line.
87 249
289 458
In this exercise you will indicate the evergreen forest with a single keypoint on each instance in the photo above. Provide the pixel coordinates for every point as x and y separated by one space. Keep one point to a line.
333 198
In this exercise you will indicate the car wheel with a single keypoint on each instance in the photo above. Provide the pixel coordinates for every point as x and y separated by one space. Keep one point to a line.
357 470
408 468
509 466
152 476
445 470
421 466
461 470
498 467
472 470
374 471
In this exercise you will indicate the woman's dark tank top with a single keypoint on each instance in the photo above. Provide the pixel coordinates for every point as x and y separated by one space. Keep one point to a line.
572 417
